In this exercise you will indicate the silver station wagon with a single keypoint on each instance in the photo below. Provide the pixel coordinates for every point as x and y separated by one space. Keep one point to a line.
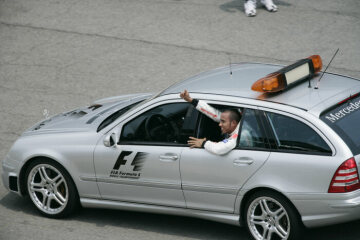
297 166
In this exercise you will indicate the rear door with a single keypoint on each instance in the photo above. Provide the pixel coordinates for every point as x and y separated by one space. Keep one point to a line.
302 159
211 182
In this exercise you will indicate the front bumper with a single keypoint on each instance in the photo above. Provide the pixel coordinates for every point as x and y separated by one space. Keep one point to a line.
10 176
319 210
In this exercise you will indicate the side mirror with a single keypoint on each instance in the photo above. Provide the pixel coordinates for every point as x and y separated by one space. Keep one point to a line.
111 139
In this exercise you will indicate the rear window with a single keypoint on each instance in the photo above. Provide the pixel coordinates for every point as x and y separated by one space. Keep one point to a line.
344 118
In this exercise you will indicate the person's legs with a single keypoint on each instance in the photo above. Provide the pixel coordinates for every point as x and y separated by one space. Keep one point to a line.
250 8
269 5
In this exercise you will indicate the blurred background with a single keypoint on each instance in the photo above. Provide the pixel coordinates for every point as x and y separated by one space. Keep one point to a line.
56 55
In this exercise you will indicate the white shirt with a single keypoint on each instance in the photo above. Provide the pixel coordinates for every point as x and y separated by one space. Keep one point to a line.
224 146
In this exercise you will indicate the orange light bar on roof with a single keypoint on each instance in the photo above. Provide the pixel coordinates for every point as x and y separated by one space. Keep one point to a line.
317 62
290 75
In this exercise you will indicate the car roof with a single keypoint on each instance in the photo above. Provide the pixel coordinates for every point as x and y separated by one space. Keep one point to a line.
220 82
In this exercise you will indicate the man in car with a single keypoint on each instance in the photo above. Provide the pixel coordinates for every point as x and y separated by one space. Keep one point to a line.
229 121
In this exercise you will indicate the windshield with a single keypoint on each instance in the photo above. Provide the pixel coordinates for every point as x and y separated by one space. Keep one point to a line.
344 118
110 119
149 99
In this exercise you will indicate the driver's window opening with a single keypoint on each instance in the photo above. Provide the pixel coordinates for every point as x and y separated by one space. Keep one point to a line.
210 129
169 123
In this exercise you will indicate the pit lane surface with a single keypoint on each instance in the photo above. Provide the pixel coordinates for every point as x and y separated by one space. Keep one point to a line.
58 55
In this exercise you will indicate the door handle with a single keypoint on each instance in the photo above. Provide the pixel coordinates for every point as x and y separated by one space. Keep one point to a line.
243 161
168 157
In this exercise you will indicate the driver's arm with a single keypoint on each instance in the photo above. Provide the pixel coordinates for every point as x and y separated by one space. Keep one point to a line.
223 147
202 106
206 109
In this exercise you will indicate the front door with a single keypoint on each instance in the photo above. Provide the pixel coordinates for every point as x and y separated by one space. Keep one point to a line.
138 173
144 167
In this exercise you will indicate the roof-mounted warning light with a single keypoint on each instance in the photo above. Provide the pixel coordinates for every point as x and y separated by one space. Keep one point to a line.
289 75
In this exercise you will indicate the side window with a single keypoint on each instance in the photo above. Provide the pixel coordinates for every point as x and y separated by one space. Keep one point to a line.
169 123
291 134
251 134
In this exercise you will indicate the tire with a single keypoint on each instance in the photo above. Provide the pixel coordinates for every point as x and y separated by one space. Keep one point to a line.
270 216
51 189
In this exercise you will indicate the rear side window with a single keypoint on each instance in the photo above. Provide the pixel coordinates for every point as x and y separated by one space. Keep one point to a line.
251 134
293 135
344 118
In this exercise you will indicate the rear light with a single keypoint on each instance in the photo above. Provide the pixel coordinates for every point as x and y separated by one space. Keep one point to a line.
346 178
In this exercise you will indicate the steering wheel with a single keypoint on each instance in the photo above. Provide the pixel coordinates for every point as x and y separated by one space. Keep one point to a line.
159 128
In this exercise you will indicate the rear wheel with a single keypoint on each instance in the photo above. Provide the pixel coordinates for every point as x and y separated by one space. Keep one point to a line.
269 216
51 189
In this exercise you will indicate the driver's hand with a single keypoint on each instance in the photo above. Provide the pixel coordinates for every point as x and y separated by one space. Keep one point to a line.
196 142
186 96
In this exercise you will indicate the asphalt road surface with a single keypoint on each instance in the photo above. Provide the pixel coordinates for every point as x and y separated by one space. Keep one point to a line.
56 55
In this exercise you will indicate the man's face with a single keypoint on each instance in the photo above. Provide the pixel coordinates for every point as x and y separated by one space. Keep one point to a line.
225 124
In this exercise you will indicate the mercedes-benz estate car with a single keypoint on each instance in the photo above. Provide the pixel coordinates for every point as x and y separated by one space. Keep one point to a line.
297 167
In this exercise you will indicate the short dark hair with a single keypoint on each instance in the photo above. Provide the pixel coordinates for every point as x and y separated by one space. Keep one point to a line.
234 114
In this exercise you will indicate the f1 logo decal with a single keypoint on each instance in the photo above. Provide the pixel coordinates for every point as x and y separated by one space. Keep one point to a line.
121 159
128 164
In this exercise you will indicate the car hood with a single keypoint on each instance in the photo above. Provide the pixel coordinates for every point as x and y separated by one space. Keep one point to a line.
85 118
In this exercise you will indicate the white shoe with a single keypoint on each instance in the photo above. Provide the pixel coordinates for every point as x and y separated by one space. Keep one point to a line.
270 6
250 8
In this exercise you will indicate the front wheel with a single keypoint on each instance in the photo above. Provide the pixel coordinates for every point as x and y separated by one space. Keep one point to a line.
269 216
51 189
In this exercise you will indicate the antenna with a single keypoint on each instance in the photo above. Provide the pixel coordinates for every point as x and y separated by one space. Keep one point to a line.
230 65
317 84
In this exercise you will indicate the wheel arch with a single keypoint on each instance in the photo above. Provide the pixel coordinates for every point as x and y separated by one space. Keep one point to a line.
24 168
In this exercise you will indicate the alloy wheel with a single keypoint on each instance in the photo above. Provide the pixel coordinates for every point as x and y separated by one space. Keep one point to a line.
48 189
267 219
